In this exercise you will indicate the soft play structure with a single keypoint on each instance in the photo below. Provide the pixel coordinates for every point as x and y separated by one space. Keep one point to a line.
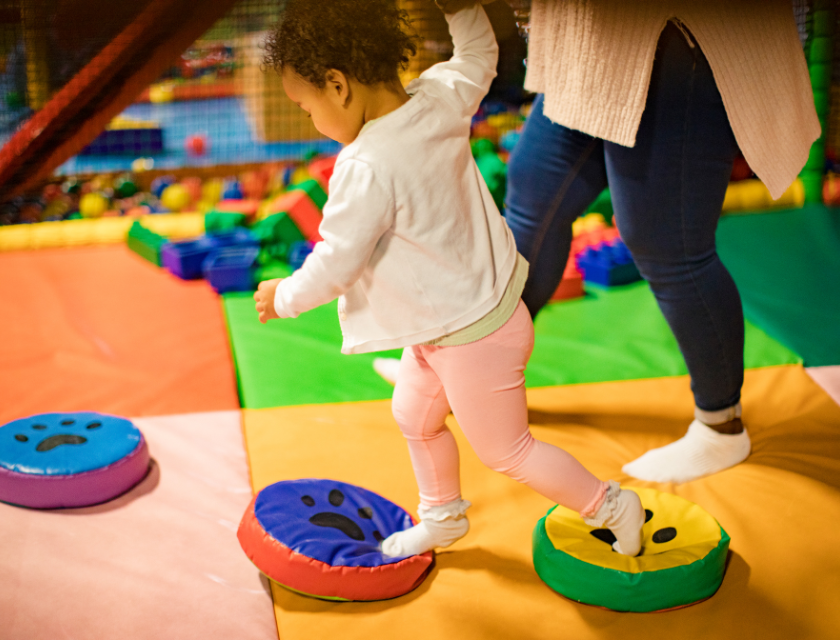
73 459
682 561
321 538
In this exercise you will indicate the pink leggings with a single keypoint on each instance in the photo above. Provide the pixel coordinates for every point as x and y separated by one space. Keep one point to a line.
484 385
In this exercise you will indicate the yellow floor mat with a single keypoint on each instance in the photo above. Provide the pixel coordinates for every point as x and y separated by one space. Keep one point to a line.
781 509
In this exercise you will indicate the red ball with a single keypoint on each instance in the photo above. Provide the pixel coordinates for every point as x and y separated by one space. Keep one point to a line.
831 191
197 144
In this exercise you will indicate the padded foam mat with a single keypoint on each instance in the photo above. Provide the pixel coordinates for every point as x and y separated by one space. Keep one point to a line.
780 508
100 329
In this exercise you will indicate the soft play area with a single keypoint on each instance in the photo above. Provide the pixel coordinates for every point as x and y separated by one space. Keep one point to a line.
172 468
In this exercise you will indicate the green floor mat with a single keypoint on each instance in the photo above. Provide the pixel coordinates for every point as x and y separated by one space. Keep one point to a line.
620 334
787 267
612 334
297 361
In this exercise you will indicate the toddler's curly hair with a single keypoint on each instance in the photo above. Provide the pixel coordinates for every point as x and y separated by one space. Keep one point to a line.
369 40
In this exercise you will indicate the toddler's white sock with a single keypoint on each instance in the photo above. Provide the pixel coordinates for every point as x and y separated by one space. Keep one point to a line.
623 514
701 452
387 368
438 527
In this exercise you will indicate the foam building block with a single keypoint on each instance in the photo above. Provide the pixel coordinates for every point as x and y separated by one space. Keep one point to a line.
571 286
186 259
231 269
322 170
313 189
608 264
248 207
276 234
145 242
302 210
298 253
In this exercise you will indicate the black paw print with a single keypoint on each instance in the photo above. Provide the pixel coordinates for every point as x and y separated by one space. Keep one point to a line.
665 534
51 442
338 520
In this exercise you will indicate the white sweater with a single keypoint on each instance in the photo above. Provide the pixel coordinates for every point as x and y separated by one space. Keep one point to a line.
593 58
413 244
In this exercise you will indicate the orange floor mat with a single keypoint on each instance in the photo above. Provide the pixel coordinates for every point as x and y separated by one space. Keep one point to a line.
780 508
100 329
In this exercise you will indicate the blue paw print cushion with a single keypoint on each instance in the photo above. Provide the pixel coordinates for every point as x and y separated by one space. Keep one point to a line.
74 459
321 538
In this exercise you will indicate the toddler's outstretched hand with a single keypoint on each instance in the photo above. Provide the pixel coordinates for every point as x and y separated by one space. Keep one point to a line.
264 296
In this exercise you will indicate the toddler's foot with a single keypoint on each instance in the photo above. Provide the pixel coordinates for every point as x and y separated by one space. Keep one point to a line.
623 514
387 368
439 527
701 452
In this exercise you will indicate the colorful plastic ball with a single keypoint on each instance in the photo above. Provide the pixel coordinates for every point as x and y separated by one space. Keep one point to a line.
196 145
232 190
141 210
55 210
831 191
211 190
93 205
124 187
142 164
255 184
71 186
508 140
175 197
193 185
159 93
159 184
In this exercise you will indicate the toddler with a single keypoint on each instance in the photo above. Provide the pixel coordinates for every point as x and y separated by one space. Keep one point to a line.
419 257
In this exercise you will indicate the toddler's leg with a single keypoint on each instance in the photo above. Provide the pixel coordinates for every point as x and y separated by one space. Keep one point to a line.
485 384
420 407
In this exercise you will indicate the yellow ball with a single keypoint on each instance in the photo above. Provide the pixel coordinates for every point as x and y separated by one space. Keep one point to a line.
93 205
176 197
211 191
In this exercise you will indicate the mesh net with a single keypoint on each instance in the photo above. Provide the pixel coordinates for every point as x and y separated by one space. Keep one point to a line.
91 87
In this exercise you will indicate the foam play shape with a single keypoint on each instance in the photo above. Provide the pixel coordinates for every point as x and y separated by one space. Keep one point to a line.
74 459
682 560
321 538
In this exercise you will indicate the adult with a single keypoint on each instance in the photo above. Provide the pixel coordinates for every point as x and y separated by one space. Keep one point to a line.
653 99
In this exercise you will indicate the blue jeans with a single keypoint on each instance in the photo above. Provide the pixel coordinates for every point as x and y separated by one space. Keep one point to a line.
667 193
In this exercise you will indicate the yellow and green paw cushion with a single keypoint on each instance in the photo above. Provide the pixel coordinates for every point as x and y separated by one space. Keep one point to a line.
682 560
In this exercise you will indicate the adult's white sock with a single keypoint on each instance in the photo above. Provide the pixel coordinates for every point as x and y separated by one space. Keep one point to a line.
623 514
387 368
439 526
700 452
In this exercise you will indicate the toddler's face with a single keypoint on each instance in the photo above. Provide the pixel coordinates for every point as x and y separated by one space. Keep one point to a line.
325 106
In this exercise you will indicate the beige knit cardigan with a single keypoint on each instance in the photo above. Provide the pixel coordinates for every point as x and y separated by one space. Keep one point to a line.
593 58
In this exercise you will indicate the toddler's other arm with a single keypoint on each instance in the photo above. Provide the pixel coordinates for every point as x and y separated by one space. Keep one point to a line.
264 297
359 211
472 66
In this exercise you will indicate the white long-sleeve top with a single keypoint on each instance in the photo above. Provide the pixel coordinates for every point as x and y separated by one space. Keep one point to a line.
413 245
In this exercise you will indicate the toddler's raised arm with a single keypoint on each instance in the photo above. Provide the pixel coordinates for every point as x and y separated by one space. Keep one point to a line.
472 66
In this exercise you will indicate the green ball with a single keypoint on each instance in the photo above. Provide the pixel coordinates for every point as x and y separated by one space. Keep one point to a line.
124 187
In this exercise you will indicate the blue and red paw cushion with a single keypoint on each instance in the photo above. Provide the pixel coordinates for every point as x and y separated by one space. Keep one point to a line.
74 459
321 538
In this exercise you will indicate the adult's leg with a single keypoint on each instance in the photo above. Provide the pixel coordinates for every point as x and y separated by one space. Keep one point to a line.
553 175
667 194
